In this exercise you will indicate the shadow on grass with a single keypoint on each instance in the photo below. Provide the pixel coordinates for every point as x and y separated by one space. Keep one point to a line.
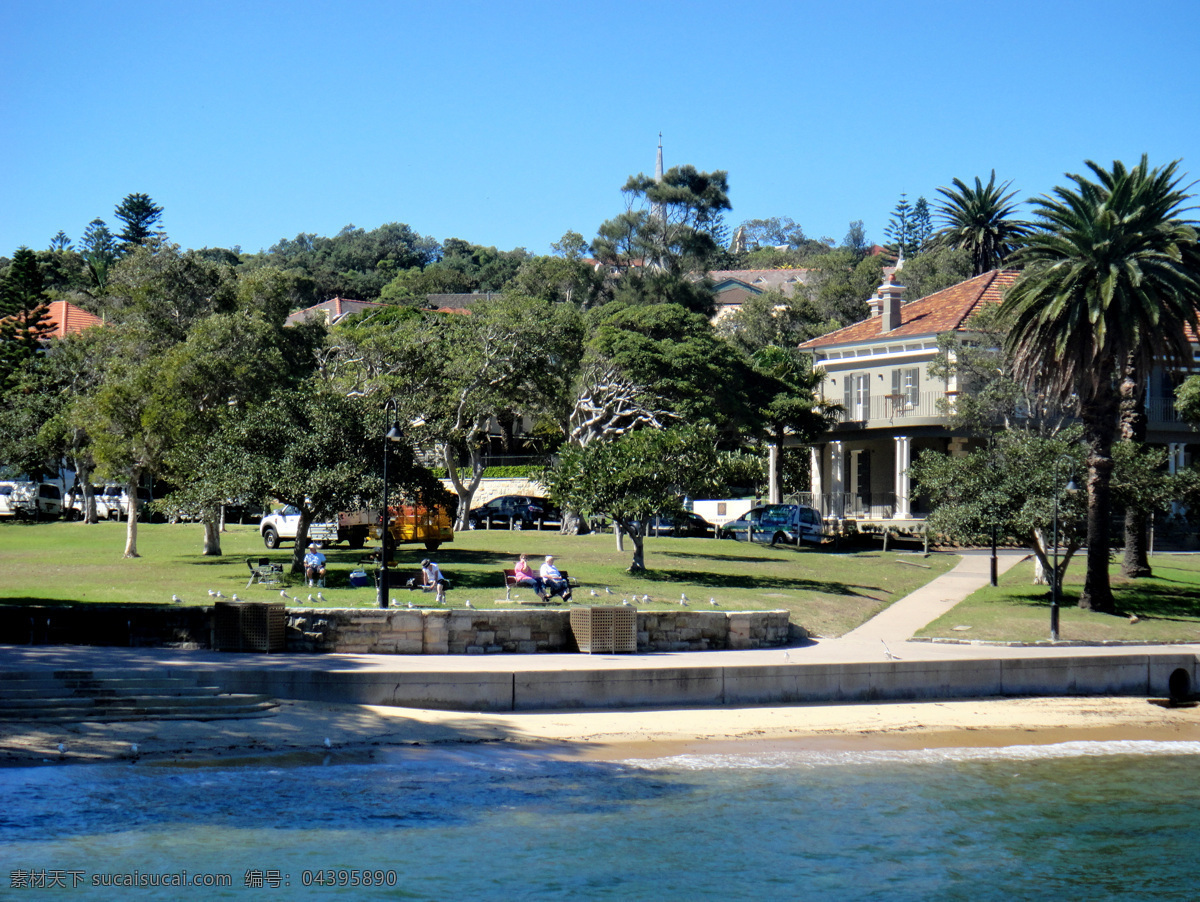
739 581
1179 602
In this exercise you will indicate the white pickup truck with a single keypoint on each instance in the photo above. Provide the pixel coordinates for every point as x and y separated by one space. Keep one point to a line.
281 526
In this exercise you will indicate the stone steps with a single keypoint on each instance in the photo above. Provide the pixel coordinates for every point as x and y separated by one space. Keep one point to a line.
71 696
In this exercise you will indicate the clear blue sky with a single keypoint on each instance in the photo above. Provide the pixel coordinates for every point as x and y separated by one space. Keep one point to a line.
509 123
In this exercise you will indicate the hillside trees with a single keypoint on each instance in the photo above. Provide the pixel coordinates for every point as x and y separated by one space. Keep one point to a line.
140 215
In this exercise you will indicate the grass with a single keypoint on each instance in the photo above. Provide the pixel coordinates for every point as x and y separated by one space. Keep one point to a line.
827 593
1167 606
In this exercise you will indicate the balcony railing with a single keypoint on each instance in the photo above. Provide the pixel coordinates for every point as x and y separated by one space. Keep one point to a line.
893 408
845 505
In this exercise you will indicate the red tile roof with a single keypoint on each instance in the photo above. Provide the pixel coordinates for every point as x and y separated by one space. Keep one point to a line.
67 319
943 311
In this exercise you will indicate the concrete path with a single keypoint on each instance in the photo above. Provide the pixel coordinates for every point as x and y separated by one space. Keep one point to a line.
901 621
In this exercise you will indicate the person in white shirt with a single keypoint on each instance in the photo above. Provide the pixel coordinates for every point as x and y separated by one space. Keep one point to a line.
431 578
553 580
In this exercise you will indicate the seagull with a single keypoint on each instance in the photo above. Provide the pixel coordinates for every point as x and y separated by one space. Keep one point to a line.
1134 618
295 600
467 603
888 652
176 599
608 591
645 599
283 594
328 743
593 593
410 604
235 598
310 598
218 594
212 594
683 599
713 602
411 583
625 601
320 597
787 656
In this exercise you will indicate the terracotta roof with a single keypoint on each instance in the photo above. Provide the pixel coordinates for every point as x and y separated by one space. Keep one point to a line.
67 319
332 310
943 311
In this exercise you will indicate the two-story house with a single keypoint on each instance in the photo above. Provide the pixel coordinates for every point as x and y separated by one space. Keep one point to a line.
877 369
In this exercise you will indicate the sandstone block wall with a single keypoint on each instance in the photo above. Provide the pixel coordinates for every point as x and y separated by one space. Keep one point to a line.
522 631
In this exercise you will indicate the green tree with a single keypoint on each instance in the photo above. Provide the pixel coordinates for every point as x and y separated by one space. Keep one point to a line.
1008 485
99 252
140 215
1112 278
635 476
980 220
26 311
856 241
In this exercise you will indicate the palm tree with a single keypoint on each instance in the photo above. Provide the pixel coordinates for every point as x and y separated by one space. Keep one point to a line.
980 219
1111 280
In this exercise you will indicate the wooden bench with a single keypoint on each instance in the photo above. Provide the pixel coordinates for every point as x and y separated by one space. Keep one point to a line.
510 580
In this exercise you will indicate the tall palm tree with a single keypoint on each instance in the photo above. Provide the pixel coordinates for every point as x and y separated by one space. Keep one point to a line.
981 220
1111 279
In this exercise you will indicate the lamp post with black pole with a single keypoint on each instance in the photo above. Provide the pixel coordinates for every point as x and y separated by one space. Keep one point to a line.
1054 576
393 435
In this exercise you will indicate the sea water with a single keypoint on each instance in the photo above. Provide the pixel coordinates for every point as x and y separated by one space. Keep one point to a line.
1083 821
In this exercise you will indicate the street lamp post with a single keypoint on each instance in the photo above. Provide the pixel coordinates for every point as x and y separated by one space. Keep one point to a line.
393 435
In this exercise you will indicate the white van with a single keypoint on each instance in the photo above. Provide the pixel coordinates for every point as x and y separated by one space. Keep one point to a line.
36 501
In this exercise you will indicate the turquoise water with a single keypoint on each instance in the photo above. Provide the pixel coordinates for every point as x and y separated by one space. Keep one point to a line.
1075 821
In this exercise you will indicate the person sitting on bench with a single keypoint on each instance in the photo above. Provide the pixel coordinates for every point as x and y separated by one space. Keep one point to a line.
553 580
525 576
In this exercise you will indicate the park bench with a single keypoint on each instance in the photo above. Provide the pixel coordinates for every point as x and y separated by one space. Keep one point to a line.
510 580
264 572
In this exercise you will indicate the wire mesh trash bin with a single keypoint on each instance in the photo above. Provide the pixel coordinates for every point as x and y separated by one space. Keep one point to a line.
249 626
605 629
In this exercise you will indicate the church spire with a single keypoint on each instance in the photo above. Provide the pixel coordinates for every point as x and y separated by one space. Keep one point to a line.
656 209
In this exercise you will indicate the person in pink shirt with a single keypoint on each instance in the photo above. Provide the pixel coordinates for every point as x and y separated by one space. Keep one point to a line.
526 577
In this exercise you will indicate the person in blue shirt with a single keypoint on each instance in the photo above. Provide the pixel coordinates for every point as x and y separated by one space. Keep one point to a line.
314 565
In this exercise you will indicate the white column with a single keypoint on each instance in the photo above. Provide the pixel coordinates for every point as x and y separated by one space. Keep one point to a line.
816 474
901 481
837 478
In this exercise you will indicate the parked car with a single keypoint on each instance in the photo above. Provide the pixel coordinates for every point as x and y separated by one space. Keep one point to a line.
777 523
682 525
33 500
517 511
283 524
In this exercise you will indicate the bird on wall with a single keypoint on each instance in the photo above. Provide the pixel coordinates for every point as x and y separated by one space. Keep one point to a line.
467 603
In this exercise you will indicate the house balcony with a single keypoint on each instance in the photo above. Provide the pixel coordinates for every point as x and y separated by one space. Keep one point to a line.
896 409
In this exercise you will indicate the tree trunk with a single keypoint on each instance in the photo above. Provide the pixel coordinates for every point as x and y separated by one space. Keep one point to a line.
1134 424
1099 428
301 547
89 502
212 535
221 521
638 565
464 490
131 520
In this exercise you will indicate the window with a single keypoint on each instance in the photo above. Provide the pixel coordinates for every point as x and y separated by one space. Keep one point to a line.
906 386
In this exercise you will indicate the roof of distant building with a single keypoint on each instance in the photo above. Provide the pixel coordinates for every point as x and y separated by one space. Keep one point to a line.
68 319
332 311
944 311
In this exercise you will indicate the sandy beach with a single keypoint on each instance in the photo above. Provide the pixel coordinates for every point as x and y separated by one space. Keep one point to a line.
355 732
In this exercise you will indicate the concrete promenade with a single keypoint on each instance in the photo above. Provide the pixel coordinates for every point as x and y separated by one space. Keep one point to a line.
873 662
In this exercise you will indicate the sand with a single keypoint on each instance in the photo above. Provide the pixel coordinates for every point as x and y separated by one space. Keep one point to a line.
299 730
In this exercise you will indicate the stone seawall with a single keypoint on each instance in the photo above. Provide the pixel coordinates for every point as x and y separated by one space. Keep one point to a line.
459 632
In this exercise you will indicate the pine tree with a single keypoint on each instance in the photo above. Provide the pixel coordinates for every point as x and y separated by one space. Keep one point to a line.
140 215
26 310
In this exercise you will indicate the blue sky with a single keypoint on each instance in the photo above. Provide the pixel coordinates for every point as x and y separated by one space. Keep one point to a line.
508 124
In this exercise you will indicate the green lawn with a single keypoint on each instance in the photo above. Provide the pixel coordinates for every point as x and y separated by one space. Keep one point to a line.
1167 606
827 593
